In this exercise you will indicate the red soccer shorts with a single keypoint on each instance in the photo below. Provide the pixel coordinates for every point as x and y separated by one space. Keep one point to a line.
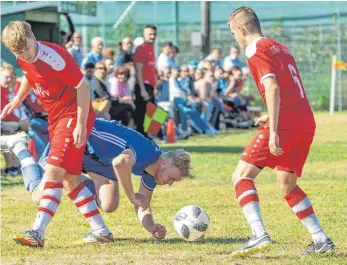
63 152
295 145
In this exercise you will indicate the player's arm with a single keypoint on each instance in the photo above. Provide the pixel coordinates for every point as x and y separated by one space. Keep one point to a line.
122 165
83 102
272 95
145 217
23 92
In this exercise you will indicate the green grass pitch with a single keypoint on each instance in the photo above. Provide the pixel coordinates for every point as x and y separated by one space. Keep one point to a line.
214 158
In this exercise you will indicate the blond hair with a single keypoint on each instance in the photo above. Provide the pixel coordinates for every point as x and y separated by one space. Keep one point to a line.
181 159
247 18
8 67
15 35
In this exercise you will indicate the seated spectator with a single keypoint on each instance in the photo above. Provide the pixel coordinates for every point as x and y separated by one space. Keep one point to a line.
75 49
199 74
192 65
120 89
214 57
165 60
233 59
96 52
89 74
174 88
223 81
163 94
104 102
173 53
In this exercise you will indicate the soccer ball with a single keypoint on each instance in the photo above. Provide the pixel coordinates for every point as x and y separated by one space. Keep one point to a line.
191 222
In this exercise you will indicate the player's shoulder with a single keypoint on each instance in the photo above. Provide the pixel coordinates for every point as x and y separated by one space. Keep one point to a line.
51 54
261 46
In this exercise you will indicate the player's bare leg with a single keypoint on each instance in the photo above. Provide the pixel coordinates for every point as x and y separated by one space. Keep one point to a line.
107 192
86 204
302 207
246 193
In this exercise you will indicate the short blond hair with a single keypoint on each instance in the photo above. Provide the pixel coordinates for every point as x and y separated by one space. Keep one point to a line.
246 17
182 160
8 67
15 35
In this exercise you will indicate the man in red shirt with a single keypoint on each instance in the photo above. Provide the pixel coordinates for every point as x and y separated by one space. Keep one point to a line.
54 76
146 77
282 141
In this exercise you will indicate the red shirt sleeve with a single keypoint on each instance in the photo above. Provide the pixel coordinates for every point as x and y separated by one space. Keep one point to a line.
262 65
68 71
138 55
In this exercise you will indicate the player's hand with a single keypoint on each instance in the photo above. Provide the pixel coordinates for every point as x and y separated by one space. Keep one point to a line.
262 121
8 109
158 231
79 135
140 201
144 94
274 144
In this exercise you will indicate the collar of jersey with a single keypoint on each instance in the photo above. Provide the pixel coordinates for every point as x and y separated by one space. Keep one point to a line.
251 48
38 52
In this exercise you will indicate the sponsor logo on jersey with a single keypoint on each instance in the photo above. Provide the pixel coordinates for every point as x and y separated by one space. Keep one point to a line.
40 91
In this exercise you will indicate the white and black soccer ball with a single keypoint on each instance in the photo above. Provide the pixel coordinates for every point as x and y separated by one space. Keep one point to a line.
191 222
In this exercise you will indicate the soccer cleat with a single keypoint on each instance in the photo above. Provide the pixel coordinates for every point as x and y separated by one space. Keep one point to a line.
7 142
30 238
324 247
93 238
255 244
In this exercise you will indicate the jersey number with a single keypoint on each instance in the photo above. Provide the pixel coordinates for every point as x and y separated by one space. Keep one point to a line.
296 79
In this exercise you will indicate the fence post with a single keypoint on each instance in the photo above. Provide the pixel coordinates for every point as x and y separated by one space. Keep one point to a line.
332 85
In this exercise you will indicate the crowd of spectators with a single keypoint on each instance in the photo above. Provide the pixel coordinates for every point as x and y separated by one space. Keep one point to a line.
203 97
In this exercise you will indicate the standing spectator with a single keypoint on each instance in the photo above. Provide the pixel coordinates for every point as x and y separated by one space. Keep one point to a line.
109 63
233 59
174 51
109 53
144 59
89 74
214 57
165 60
124 56
96 53
75 50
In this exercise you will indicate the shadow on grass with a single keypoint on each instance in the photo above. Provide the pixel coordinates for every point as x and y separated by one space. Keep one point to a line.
177 240
206 148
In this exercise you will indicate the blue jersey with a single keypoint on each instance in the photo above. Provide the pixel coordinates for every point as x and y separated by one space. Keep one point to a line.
107 140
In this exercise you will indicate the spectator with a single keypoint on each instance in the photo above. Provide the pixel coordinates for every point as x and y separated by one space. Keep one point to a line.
233 59
89 74
144 59
199 74
165 60
203 87
124 57
214 57
108 53
96 53
223 81
120 89
75 50
175 91
192 65
137 42
163 94
109 63
174 51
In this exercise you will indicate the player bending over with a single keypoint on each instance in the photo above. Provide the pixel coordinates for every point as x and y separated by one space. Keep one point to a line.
282 141
58 83
114 152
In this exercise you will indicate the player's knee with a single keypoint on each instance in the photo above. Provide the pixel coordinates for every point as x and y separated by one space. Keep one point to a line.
286 186
109 207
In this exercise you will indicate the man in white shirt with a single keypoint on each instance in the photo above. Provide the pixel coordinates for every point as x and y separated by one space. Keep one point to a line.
165 60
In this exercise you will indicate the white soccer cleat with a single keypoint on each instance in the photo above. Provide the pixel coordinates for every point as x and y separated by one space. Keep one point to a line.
7 142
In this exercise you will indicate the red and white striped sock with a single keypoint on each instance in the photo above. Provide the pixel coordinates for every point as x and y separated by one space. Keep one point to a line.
84 200
48 205
302 207
247 195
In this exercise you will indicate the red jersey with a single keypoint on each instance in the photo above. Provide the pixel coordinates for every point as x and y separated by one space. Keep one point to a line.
55 78
144 54
267 58
5 99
